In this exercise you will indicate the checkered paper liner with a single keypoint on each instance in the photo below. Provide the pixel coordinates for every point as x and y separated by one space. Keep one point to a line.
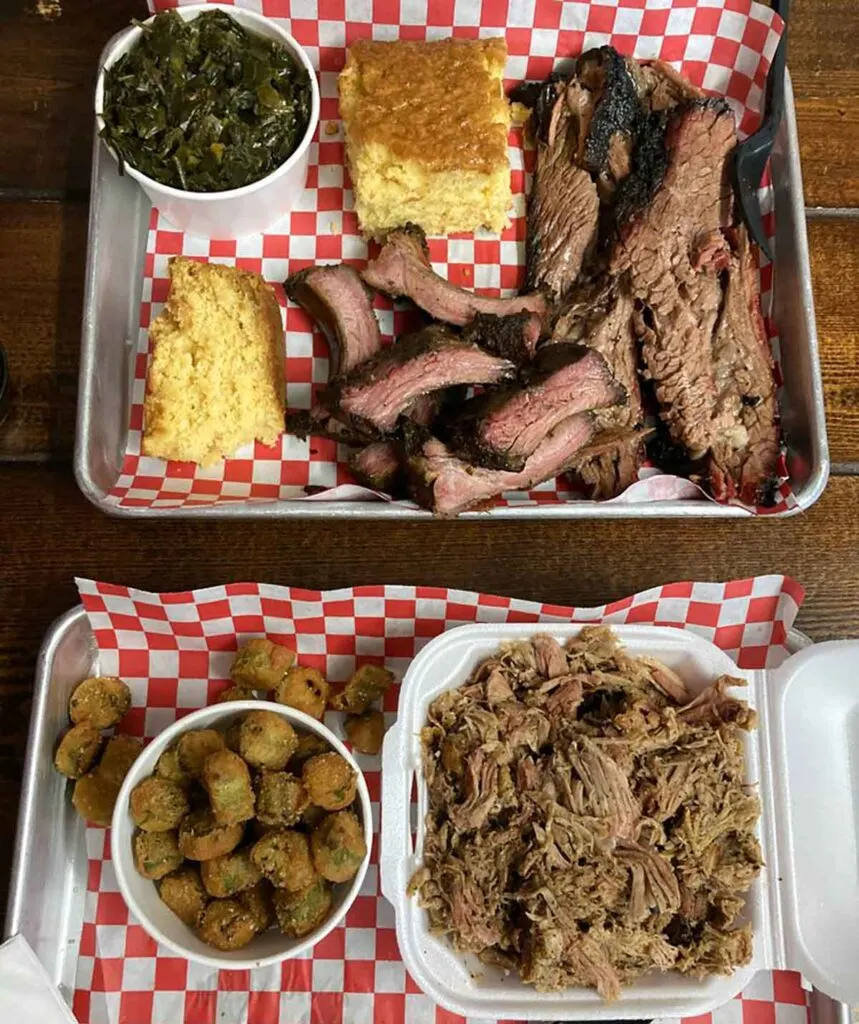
724 46
175 652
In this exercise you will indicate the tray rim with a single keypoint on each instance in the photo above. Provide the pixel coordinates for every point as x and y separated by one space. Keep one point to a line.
822 1008
371 510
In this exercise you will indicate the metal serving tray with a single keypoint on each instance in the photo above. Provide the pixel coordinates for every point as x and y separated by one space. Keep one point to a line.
118 226
49 870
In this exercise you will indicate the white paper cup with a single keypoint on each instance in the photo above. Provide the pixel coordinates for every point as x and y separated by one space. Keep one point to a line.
253 208
272 947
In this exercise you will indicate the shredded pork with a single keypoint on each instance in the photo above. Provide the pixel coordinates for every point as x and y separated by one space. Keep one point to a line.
588 820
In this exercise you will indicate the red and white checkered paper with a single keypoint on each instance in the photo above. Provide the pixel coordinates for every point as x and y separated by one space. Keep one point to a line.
175 652
724 46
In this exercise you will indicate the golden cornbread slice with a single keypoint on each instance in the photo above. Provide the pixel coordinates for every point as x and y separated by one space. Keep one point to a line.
426 134
215 379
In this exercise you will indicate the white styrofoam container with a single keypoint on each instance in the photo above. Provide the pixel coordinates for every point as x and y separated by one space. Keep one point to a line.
804 755
235 212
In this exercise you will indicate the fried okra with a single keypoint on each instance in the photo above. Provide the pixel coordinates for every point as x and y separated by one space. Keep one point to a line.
369 684
228 783
156 854
331 782
365 731
101 701
300 912
183 892
167 767
194 747
257 901
235 693
202 837
304 689
158 805
283 857
261 664
266 740
94 798
227 875
119 755
226 925
309 745
338 847
281 798
78 750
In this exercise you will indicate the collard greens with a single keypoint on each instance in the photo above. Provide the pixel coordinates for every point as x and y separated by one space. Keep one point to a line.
205 105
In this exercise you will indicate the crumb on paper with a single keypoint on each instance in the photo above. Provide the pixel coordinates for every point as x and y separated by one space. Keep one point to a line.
331 128
332 227
49 10
519 113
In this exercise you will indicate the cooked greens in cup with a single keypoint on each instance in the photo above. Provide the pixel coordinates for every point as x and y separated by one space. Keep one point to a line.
205 105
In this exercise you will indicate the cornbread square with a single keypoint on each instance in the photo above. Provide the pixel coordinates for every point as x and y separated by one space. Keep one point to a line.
215 380
426 134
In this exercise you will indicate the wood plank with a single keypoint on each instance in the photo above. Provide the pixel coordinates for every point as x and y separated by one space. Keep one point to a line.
48 68
42 247
581 563
42 255
47 81
825 74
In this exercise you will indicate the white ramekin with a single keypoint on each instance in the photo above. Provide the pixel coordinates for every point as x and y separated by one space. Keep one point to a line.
141 895
239 211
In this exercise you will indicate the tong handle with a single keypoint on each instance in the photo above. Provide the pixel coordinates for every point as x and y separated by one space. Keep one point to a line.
776 77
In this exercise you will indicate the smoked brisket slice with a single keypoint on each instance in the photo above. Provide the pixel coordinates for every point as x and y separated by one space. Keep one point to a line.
403 268
502 429
376 394
447 485
681 298
339 301
601 316
563 206
744 456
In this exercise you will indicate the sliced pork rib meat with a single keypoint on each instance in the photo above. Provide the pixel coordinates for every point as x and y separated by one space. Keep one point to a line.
376 394
514 337
447 485
682 300
403 268
502 429
379 467
744 456
600 315
339 301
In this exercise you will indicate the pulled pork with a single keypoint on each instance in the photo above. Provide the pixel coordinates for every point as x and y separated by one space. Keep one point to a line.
588 819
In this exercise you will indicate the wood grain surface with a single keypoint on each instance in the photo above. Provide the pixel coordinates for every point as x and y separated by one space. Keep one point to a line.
48 532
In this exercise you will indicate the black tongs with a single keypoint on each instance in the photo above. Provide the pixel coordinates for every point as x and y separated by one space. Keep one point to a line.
751 156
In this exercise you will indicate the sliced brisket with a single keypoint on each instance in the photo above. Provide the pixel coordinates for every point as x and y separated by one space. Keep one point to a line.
563 206
403 268
319 422
512 337
376 394
681 299
442 482
600 316
502 429
337 298
743 460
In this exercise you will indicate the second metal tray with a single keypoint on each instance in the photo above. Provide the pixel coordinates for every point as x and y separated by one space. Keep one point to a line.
49 871
118 226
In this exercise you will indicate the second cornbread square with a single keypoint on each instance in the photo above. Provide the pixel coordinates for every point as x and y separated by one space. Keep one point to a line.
426 134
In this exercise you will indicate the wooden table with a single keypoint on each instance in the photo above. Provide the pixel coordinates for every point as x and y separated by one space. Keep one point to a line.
49 533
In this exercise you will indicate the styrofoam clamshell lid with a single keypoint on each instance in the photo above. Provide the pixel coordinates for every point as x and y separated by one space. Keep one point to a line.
813 707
